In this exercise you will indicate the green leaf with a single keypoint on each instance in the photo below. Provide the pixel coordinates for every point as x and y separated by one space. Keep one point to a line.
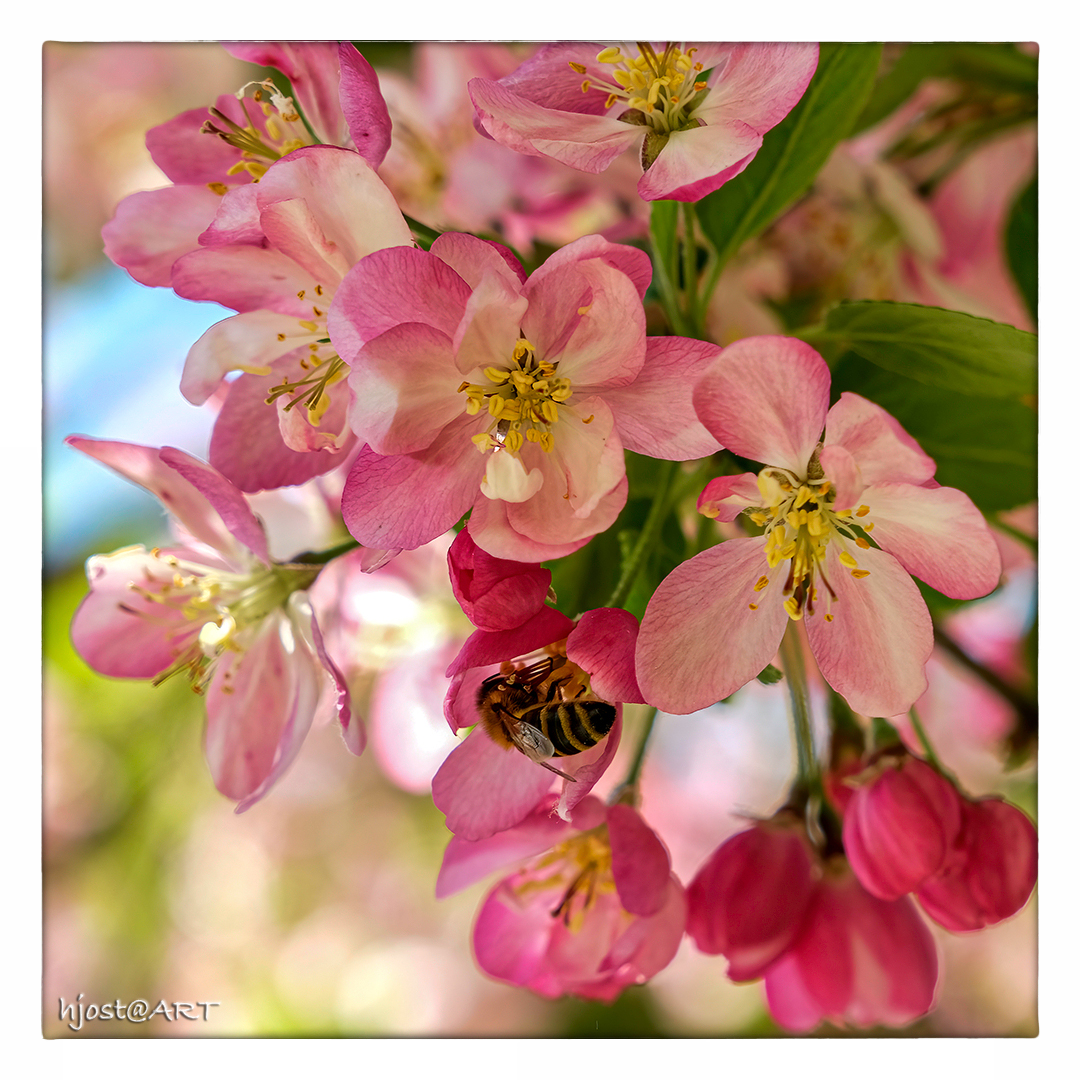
1022 244
794 151
770 675
941 348
983 446
425 234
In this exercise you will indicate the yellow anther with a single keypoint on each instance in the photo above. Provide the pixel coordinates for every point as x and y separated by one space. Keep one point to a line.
251 369
828 616
709 511
791 606
307 324
869 526
563 391
701 83
824 488
300 294
317 312
217 187
281 337
532 435
483 442
864 544
514 441
496 405
550 411
585 86
622 78
803 496
579 68
464 386
232 170
546 441
848 559
611 99
762 583
860 573
272 127
584 310
862 511
318 290
472 407
496 375
752 607
610 55
638 79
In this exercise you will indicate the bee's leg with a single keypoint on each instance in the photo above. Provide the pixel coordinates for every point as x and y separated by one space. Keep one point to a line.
558 772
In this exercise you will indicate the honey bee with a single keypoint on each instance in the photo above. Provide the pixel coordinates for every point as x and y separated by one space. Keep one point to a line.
537 710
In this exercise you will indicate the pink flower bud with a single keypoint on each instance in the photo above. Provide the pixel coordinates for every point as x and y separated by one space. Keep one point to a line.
900 827
748 901
991 871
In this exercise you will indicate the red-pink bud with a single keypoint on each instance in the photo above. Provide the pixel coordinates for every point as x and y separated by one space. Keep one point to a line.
991 872
900 827
748 900
857 960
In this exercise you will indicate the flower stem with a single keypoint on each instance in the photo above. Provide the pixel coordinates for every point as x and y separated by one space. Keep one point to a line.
665 244
634 774
320 558
931 756
690 276
809 772
650 533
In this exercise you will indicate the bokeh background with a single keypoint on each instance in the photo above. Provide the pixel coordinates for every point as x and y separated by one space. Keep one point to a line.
314 913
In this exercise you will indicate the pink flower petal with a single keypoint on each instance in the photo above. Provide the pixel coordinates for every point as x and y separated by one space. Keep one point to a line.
876 646
766 399
484 647
152 229
843 471
468 861
408 499
490 327
699 640
187 156
483 788
352 727
492 531
587 767
363 106
697 161
725 497
237 219
640 863
472 257
654 414
882 449
244 278
603 644
938 535
631 261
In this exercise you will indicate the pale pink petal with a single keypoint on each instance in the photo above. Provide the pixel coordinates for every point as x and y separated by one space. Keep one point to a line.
589 143
658 939
697 161
245 278
152 229
224 497
882 449
491 324
363 106
491 529
766 399
631 261
393 286
468 861
483 788
843 472
654 414
236 221
874 650
118 631
508 479
472 257
726 497
143 465
404 385
699 640
406 500
640 863
603 644
587 767
352 727
938 535
241 341
486 647
247 447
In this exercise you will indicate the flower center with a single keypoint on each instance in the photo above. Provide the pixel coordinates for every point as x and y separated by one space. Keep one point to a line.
660 90
217 606
582 868
522 399
283 132
799 522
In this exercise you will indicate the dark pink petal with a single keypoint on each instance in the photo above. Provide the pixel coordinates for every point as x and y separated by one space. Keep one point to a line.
459 705
408 499
472 257
483 788
882 449
585 142
602 644
259 707
748 901
841 469
363 106
491 529
244 278
483 647
726 497
547 78
223 497
393 286
640 863
236 221
766 399
510 939
699 160
655 414
991 871
631 261
152 229
121 633
404 385
938 535
352 727
699 640
649 944
143 465
587 767
467 861
495 594
187 156
876 647
899 828
247 447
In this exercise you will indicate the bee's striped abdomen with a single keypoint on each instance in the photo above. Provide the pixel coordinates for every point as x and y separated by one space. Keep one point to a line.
573 726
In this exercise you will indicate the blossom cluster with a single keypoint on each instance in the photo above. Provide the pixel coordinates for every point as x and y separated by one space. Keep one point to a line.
488 351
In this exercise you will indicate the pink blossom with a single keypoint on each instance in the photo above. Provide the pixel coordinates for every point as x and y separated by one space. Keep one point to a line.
477 389
991 868
483 787
698 113
219 610
598 912
900 825
847 517
857 961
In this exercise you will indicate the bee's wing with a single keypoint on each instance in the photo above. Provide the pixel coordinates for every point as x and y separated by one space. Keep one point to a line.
532 742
